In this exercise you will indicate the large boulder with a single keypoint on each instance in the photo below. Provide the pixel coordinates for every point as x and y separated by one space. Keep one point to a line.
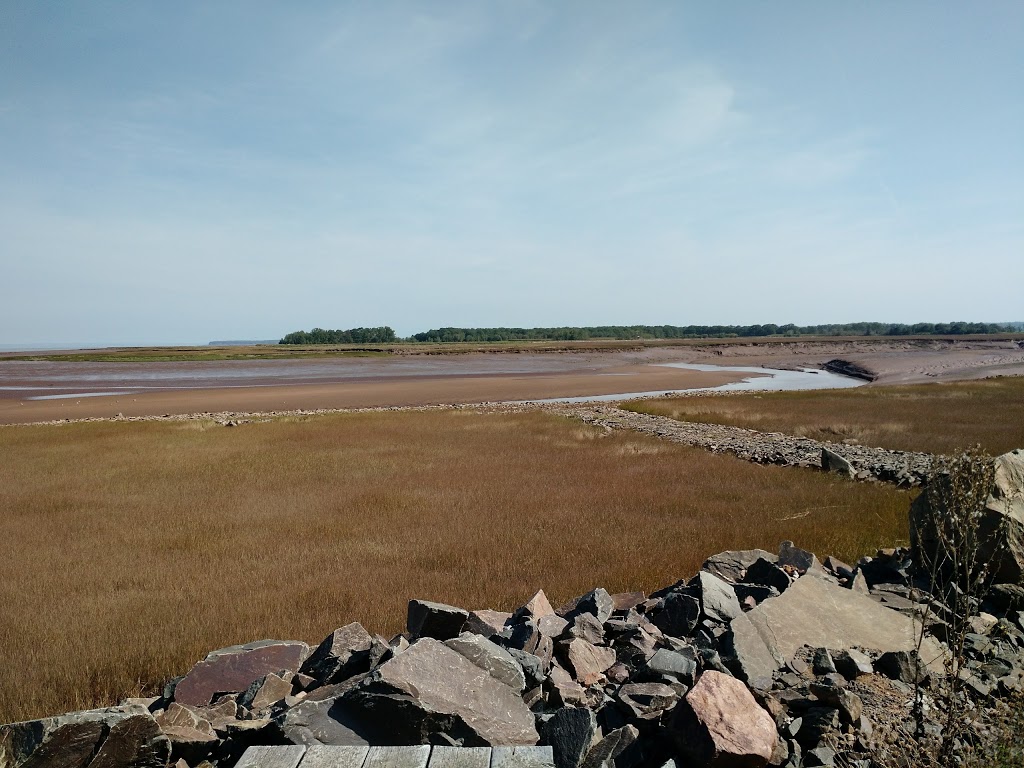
1001 517
719 724
436 620
431 689
816 613
733 564
117 737
235 668
490 657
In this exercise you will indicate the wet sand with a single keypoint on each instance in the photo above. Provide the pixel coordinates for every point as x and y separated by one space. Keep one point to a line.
368 392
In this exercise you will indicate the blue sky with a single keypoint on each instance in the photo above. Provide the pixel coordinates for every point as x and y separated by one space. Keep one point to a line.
194 171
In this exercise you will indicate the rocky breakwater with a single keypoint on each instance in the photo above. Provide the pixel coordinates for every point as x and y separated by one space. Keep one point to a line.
760 658
861 462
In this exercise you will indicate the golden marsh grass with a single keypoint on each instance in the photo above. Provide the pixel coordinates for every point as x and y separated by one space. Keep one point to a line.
130 550
934 418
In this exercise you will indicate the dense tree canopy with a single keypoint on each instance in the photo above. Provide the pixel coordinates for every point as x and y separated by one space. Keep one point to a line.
700 331
385 334
351 336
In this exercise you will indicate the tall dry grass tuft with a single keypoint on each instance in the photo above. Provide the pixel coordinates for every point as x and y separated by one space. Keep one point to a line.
934 418
130 550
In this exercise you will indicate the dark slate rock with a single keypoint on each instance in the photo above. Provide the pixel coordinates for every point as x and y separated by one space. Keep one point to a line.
586 627
613 751
534 668
758 592
821 662
851 663
570 732
800 559
134 742
646 701
904 666
342 653
436 620
817 722
678 616
768 574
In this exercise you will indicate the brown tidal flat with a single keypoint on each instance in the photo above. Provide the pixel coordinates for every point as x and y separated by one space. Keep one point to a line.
368 392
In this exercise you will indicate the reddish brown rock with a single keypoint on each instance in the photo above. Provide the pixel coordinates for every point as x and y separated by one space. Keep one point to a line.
487 622
587 662
536 607
720 725
234 669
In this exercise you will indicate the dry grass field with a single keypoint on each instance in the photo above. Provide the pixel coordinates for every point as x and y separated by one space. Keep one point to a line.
130 550
936 418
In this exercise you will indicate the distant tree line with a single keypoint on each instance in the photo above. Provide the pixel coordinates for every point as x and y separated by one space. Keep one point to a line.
701 331
351 336
386 334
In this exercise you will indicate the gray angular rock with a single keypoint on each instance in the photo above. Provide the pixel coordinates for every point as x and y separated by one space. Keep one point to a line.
435 620
717 599
646 701
833 462
235 668
819 614
674 665
719 723
328 721
799 559
552 625
851 663
431 688
597 602
491 658
571 732
903 665
586 627
342 650
745 651
732 565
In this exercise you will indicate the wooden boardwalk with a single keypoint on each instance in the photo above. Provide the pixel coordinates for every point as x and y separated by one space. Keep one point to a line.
321 756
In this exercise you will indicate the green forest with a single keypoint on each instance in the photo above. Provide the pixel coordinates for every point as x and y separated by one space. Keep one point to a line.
622 332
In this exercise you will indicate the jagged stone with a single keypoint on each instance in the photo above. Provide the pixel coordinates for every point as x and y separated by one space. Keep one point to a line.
821 662
587 662
719 723
678 616
491 658
134 742
435 620
851 663
534 608
597 602
262 693
339 654
764 572
234 669
68 741
833 462
565 691
732 565
717 599
570 732
612 751
746 653
799 559
330 721
585 626
487 622
431 688
647 701
552 625
903 665
534 668
849 704
623 601
673 665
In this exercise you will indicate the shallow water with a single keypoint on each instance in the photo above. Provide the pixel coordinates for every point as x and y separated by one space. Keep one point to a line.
776 380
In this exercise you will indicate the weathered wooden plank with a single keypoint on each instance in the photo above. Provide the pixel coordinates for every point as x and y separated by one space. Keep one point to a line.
522 757
322 756
397 757
271 757
460 757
